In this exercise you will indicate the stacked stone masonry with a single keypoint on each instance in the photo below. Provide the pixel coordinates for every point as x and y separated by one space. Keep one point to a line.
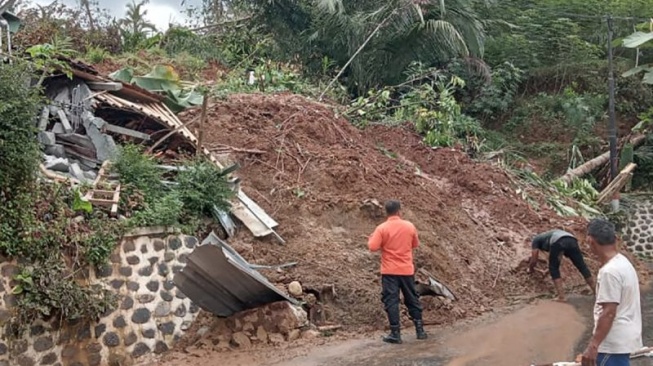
271 324
638 233
151 313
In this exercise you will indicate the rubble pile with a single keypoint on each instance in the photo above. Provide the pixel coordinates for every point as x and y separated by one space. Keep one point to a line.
75 142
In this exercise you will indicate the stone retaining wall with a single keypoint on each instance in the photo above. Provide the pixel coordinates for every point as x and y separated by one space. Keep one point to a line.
151 315
638 233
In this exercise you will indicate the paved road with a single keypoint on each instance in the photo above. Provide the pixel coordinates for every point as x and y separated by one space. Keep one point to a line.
546 332
584 306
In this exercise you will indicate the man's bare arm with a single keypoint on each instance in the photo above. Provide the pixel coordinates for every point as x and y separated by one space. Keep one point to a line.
604 324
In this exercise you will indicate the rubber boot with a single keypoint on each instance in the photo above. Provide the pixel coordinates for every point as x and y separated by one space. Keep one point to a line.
394 336
419 330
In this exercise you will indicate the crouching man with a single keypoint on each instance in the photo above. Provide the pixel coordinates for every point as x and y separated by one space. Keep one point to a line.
558 243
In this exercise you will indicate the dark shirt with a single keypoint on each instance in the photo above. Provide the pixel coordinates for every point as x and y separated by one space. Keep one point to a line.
543 241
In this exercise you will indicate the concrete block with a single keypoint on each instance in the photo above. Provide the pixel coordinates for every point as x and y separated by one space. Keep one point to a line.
46 138
56 150
77 172
57 128
57 164
90 175
63 98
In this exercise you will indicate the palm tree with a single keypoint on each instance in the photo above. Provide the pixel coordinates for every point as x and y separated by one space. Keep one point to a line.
134 27
429 31
134 19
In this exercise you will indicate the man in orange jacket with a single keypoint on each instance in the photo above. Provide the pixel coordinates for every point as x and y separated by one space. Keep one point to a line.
396 239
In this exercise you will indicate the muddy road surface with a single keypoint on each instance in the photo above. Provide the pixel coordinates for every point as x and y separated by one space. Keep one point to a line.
543 332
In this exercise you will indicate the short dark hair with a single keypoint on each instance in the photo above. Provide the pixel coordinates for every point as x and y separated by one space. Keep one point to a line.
392 207
602 231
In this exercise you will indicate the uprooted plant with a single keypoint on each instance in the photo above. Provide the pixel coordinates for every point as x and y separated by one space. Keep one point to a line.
150 200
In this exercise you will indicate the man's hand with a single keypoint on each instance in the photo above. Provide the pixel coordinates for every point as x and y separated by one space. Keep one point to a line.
590 355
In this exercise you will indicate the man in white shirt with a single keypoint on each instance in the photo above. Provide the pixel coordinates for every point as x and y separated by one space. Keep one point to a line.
617 314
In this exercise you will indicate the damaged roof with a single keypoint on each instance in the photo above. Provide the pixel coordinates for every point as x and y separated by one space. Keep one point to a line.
87 72
220 281
141 101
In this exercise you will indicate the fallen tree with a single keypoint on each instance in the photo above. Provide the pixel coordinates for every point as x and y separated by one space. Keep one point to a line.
597 162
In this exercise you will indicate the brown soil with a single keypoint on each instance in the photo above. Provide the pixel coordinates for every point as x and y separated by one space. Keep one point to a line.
108 66
316 173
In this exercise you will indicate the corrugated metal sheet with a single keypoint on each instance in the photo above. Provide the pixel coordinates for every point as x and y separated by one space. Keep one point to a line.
253 216
220 281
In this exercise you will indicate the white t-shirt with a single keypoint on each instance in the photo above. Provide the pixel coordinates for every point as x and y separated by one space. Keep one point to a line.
617 282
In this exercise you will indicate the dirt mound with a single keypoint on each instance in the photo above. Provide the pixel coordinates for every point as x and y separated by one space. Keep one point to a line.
320 177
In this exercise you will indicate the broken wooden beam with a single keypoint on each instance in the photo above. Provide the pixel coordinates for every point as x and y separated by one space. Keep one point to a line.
56 177
64 121
595 163
617 184
109 86
126 132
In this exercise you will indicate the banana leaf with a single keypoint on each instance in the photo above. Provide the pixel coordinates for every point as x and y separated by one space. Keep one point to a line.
165 80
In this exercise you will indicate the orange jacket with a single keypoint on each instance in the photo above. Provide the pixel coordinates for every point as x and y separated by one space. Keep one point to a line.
396 238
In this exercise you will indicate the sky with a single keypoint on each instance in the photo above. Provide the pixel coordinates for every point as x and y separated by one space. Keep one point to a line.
159 12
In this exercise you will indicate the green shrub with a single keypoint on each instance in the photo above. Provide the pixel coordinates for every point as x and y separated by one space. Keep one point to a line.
202 186
19 150
96 55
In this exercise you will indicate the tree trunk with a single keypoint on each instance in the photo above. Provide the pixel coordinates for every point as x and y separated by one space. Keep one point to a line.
598 161
6 5
87 7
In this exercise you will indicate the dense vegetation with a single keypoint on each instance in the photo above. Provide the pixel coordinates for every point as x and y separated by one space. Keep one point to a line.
513 79
511 67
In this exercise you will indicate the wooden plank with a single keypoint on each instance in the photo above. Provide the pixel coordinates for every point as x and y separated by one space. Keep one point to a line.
55 176
617 184
81 151
43 121
110 86
200 132
126 131
116 200
101 202
64 120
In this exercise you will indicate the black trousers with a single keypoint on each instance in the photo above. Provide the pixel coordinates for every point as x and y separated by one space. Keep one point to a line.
392 284
567 246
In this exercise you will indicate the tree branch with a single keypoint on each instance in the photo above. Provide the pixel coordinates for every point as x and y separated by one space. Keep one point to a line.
369 38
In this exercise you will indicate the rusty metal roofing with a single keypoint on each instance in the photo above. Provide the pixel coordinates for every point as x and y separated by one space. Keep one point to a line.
220 281
87 72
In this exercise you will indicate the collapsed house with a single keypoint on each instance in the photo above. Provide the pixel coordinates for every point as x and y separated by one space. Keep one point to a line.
90 115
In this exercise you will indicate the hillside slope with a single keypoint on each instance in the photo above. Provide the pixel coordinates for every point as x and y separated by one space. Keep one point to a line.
314 176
